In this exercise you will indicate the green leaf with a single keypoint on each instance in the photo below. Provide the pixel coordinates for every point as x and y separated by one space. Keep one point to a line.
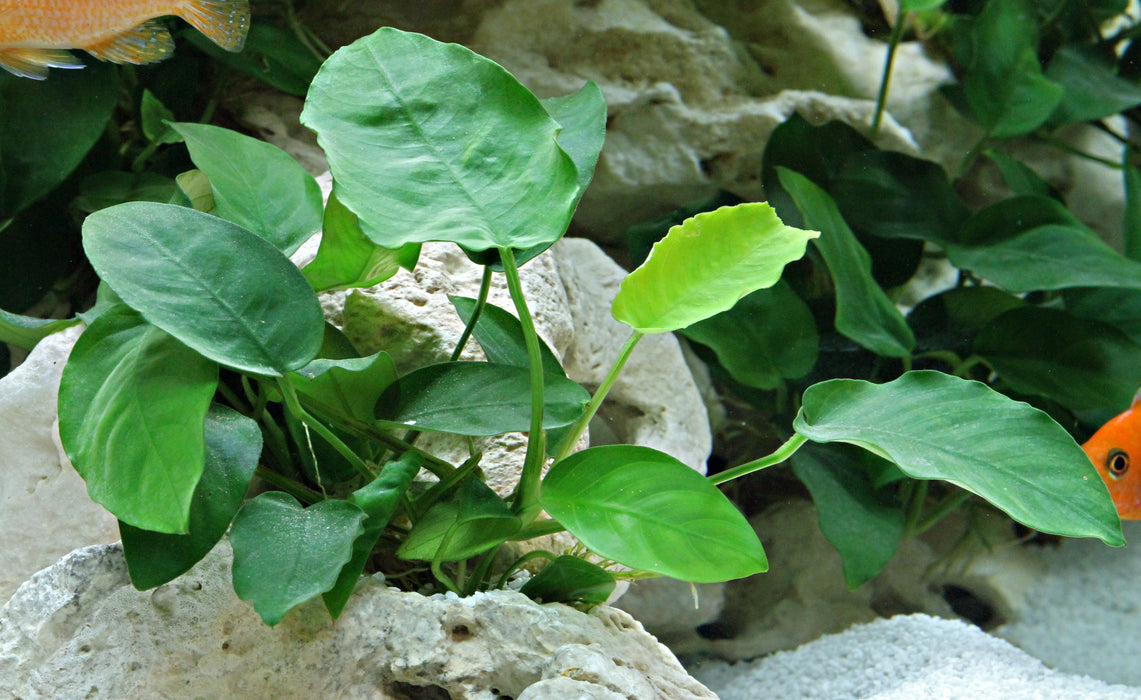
863 311
936 426
767 337
379 500
1131 225
582 116
649 511
233 445
1010 217
196 191
443 145
501 336
919 5
285 554
25 331
1019 177
863 526
351 385
153 116
1092 90
47 127
132 405
570 580
1115 306
472 522
347 259
478 398
106 189
1078 362
256 184
705 265
1048 257
215 286
1003 86
271 54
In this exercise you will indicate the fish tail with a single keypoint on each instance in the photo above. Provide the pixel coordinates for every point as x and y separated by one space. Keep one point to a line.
34 63
224 22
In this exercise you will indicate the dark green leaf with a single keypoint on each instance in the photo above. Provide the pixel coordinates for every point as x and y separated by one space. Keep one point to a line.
937 426
501 336
1010 217
1131 225
48 126
215 286
153 116
570 580
106 189
863 311
271 54
256 184
649 511
767 337
1003 86
477 398
378 499
233 445
25 331
1078 362
1115 306
1092 89
1019 177
347 259
443 145
285 554
863 526
473 521
132 405
1048 257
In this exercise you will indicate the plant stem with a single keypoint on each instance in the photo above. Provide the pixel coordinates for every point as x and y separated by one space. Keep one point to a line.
480 302
299 491
538 528
526 504
942 510
972 155
305 417
885 81
781 454
599 396
914 507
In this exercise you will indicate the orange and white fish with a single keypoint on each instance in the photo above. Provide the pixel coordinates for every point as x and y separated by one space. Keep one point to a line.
1115 450
35 35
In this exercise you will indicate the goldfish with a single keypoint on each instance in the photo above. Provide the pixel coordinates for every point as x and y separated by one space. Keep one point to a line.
35 35
1113 449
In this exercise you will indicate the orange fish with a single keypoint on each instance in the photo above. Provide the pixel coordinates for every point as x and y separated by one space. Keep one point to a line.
35 34
1115 450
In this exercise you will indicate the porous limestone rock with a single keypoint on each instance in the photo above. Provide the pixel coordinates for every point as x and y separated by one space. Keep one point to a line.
44 508
78 629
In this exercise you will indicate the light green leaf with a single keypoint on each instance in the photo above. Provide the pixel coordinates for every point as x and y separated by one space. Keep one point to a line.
347 259
444 145
705 265
936 426
256 184
647 510
478 398
215 286
351 385
285 554
863 311
132 406
233 446
473 521
25 331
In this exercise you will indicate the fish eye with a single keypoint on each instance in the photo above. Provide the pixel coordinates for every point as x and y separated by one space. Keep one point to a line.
1117 463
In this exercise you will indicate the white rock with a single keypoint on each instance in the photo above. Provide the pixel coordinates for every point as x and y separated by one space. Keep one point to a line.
44 508
78 629
902 658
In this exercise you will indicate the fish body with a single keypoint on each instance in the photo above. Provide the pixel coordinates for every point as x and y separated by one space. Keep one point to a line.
1115 450
35 35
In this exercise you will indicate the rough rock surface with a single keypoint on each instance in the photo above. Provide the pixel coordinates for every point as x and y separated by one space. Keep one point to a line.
902 658
44 508
78 629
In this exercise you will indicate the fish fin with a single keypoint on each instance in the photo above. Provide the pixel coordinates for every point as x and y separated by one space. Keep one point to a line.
34 63
224 22
147 43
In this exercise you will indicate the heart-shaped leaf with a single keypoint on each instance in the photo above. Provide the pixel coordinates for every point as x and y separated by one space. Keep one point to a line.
937 426
647 510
